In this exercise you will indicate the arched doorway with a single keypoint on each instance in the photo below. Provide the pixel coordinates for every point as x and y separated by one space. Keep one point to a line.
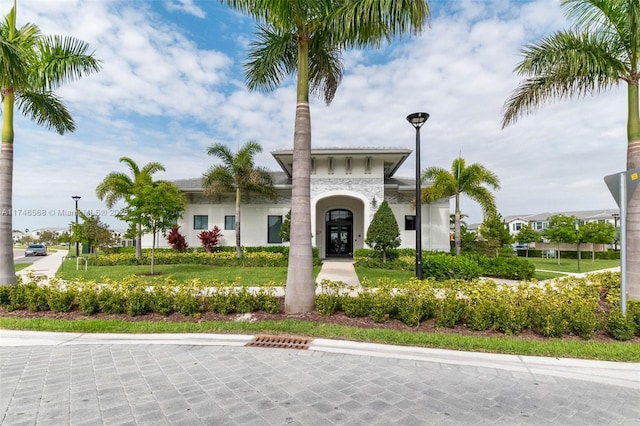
339 232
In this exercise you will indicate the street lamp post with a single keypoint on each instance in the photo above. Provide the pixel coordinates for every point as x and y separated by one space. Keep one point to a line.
76 198
417 119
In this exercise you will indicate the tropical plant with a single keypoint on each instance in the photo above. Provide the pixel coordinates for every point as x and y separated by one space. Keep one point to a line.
210 239
237 173
285 228
33 66
91 231
305 38
177 240
383 232
601 51
470 181
118 186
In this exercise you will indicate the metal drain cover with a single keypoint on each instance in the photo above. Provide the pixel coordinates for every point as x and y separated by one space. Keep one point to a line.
283 342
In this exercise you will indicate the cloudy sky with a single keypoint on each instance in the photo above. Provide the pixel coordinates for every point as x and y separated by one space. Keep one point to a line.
172 84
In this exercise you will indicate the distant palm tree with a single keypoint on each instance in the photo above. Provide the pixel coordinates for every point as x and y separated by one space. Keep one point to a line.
32 67
469 181
305 38
600 52
118 186
237 173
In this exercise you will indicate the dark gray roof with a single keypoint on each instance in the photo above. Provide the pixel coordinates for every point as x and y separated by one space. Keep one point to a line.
280 181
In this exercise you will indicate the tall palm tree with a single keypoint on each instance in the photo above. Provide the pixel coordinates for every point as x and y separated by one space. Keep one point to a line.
32 66
305 38
600 52
237 173
118 186
470 181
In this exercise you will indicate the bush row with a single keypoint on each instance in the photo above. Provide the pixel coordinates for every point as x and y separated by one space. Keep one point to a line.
134 298
219 258
587 255
569 306
443 266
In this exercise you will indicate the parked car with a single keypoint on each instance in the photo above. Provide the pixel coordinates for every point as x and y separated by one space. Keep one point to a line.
518 247
36 250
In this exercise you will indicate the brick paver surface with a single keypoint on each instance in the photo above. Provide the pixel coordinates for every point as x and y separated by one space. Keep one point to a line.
212 385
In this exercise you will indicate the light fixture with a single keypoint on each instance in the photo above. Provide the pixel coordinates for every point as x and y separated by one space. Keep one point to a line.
374 201
417 119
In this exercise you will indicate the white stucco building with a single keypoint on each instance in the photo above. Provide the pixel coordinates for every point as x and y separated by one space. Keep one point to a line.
347 187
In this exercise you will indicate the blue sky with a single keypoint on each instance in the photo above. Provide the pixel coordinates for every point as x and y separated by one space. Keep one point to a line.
172 84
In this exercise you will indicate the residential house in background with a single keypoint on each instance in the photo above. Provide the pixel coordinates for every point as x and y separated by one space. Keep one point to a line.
347 187
540 221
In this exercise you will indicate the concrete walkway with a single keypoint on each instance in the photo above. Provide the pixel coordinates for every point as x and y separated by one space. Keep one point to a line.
338 270
203 379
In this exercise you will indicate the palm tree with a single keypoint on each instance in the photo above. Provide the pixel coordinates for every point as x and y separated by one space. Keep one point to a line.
118 186
469 181
305 38
237 173
600 52
33 66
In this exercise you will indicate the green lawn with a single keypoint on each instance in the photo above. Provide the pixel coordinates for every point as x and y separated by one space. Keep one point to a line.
20 266
245 276
614 351
571 265
369 277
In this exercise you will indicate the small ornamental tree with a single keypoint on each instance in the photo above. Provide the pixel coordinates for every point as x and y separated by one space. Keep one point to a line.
210 239
285 228
526 236
383 232
562 230
177 240
597 233
495 231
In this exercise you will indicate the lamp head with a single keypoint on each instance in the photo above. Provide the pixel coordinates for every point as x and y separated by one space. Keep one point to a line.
417 119
76 197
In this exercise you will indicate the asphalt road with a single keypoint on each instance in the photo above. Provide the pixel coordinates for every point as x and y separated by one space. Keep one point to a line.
19 257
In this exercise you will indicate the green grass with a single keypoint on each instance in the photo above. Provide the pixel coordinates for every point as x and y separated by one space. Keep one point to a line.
544 275
244 276
21 266
615 351
571 265
369 277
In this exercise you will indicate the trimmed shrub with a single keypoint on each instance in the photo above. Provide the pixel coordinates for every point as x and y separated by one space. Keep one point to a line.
450 309
620 326
111 300
37 298
512 268
443 267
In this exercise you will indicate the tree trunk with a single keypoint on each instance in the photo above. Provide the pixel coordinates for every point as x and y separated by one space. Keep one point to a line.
139 241
633 208
458 236
7 267
238 251
300 289
153 251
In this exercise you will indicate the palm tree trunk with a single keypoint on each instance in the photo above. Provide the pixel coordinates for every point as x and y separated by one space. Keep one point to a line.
456 224
633 208
238 251
300 289
7 267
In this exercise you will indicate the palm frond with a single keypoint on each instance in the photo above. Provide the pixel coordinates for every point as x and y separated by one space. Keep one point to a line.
115 187
563 65
271 59
223 152
325 66
46 109
217 180
64 59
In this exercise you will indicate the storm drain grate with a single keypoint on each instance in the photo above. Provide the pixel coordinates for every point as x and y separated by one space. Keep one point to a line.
283 342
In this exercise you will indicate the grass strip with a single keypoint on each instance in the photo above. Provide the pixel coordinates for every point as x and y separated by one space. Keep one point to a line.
615 351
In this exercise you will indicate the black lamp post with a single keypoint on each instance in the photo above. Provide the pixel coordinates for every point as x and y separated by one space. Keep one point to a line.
76 198
417 119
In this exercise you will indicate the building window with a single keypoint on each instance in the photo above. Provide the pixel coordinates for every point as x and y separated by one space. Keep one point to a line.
229 223
517 226
367 165
330 165
348 166
200 222
274 223
410 223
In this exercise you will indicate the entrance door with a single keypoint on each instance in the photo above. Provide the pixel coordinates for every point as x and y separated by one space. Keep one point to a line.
339 233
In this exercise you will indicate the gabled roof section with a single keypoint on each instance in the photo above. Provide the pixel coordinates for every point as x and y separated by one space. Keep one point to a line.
393 157
280 181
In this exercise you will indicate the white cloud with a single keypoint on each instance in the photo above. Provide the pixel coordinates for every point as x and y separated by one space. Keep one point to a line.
186 6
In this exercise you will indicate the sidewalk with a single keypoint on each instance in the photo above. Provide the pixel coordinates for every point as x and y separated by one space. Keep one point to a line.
46 266
339 270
